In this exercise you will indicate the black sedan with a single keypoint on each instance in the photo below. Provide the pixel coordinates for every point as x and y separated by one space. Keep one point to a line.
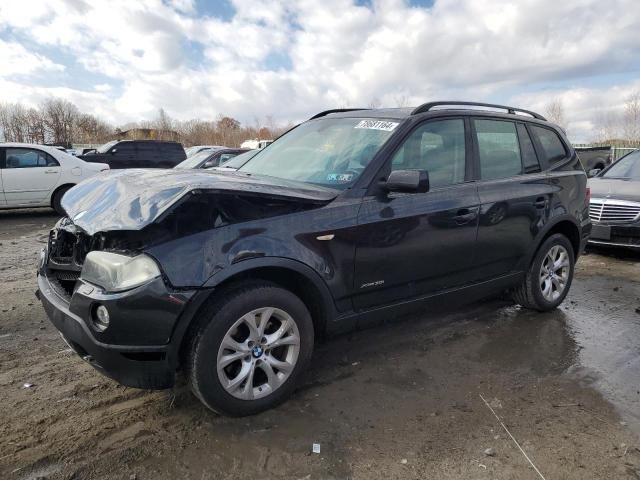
615 203
210 158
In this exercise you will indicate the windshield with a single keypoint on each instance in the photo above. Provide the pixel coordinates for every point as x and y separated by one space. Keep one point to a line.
626 167
105 148
194 161
331 152
239 160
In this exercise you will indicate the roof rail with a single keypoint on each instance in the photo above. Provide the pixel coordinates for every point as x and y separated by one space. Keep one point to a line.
336 110
425 107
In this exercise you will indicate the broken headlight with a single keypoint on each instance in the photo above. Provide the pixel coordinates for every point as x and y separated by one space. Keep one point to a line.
116 273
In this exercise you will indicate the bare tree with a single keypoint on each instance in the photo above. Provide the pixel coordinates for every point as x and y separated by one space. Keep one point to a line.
59 121
374 103
401 101
164 125
554 111
14 123
59 118
37 127
631 118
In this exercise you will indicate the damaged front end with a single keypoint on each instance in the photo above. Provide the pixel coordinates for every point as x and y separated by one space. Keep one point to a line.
132 211
175 227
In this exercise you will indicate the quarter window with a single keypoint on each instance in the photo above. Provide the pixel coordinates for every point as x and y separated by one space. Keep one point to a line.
529 157
552 147
28 158
437 147
498 148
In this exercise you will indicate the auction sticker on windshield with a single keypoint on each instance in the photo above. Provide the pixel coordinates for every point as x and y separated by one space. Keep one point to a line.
377 125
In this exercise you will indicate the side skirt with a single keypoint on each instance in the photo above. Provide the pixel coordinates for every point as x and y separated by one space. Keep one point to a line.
388 313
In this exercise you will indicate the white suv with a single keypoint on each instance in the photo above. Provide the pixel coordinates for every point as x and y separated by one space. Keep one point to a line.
38 176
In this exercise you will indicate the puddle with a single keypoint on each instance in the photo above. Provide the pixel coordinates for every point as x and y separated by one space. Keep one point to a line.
608 333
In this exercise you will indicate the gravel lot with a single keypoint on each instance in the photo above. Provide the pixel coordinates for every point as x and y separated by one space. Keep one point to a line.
399 401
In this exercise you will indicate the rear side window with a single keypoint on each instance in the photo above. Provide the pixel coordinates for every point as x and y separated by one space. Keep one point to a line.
498 148
552 147
529 157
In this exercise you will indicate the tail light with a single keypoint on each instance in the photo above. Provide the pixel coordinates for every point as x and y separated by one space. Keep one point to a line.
588 196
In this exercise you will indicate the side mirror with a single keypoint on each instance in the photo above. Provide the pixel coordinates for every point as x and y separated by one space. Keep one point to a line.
593 172
209 164
416 181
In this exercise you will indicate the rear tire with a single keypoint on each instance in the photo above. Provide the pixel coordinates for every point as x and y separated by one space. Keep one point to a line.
249 349
547 282
56 201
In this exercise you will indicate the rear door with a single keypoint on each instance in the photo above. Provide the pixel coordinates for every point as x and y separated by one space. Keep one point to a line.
412 244
28 176
514 192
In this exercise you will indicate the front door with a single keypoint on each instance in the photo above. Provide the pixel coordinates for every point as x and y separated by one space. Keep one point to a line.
28 176
413 244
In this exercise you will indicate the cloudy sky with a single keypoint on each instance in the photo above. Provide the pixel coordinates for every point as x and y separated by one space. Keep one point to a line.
123 60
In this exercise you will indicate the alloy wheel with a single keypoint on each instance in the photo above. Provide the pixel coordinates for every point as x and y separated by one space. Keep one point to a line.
554 273
258 353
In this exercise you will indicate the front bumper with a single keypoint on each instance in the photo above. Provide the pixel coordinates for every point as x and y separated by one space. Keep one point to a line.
140 314
616 235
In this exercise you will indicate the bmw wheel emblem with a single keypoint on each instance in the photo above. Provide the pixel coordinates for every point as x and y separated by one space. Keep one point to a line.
257 351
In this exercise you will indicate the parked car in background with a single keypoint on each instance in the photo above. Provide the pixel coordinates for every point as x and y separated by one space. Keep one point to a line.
210 158
238 161
594 158
190 151
615 203
38 176
137 154
252 144
354 217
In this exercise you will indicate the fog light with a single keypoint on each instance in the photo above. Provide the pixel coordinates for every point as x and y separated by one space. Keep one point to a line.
101 318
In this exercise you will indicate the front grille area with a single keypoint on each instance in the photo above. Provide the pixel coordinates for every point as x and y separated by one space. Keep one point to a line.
67 251
613 211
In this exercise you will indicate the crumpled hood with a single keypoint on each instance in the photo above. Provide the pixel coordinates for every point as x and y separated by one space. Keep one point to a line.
133 199
619 189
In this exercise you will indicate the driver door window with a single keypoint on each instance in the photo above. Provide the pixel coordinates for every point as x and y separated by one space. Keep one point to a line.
437 147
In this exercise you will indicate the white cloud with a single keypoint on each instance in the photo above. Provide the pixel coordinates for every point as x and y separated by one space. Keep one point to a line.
340 53
17 60
102 87
588 111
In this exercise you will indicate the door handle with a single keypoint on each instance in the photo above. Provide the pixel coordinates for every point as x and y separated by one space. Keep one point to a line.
540 202
50 171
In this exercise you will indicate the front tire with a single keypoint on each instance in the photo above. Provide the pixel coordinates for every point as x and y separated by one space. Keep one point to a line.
56 201
249 349
549 277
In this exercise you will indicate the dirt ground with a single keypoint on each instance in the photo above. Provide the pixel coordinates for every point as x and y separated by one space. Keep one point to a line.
399 401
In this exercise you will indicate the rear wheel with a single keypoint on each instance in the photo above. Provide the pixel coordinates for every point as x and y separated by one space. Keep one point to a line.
250 349
548 280
57 199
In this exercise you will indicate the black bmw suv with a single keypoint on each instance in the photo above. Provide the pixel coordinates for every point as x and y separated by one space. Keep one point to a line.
354 217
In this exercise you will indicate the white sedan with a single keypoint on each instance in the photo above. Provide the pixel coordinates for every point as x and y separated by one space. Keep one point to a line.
38 176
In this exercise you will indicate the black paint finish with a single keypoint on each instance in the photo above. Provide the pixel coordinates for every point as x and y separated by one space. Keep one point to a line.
362 254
